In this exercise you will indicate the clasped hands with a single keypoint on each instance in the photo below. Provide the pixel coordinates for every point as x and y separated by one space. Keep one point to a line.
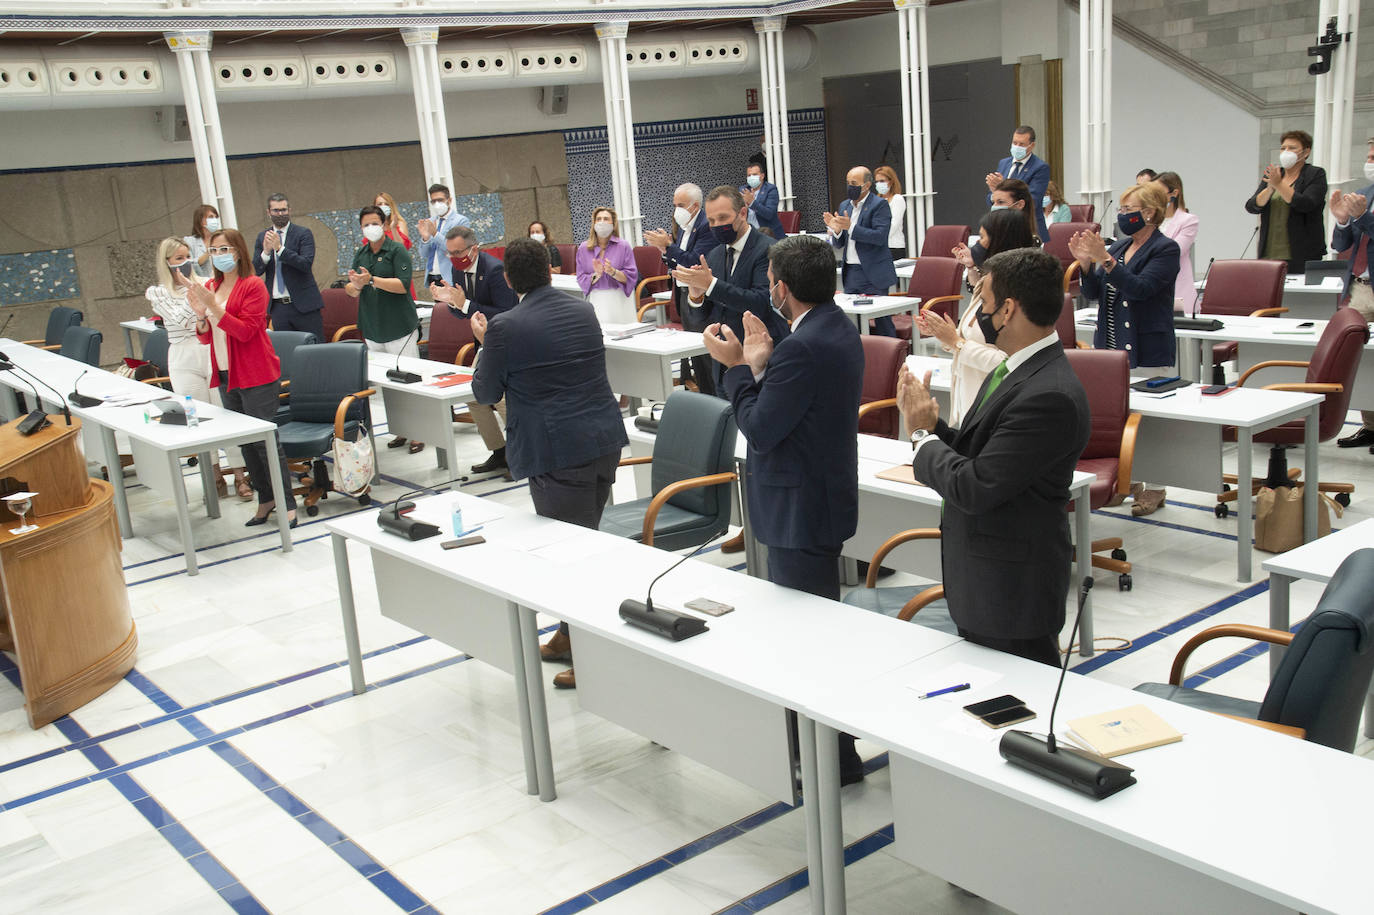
836 223
201 299
359 278
919 409
730 352
452 296
1087 248
696 278
1346 207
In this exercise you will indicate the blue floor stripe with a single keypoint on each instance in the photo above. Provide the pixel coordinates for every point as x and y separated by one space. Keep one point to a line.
800 880
1171 525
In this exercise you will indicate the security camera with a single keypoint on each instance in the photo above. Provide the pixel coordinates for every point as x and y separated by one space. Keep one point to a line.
1326 46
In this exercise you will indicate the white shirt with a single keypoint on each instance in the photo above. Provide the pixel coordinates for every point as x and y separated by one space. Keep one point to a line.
278 285
738 246
896 236
851 253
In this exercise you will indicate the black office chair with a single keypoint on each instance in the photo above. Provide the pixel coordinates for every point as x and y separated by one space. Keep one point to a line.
328 398
284 342
81 344
1321 683
154 367
59 319
906 601
693 456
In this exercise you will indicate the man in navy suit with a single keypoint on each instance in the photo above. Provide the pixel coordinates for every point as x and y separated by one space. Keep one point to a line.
284 256
797 405
733 279
1024 165
860 231
690 241
546 357
763 199
473 281
1354 230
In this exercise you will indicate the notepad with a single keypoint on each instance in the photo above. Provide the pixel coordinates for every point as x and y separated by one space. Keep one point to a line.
902 473
450 380
1124 730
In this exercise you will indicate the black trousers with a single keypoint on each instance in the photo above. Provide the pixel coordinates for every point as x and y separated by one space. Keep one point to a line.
260 402
1044 649
285 317
576 495
702 368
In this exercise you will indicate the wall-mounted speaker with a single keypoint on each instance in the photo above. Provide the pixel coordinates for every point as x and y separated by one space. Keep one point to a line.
172 119
554 100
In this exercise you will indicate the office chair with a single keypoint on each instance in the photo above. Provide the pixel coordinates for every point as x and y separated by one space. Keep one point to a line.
284 342
790 220
1082 212
904 602
693 461
567 254
340 316
939 241
1320 687
1064 325
1331 371
154 367
450 337
81 344
59 319
653 277
883 358
496 251
936 281
1236 287
1058 245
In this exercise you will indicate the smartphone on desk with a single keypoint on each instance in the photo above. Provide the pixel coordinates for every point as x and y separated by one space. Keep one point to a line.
1213 390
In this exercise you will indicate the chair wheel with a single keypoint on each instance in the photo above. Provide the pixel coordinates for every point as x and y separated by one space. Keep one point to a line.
1222 510
192 461
364 499
1225 487
312 510
1123 583
1119 554
1343 499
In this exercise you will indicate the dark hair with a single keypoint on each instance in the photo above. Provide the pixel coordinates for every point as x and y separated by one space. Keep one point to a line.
727 190
1007 230
1019 190
1147 171
543 225
807 265
1174 185
198 218
440 189
1034 278
277 198
760 160
1301 136
527 265
1025 129
372 210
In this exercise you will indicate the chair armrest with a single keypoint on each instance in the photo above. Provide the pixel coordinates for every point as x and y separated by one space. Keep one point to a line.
672 489
887 403
890 544
286 384
1268 312
33 342
940 300
160 381
1081 345
1127 458
339 334
1258 633
1268 364
631 461
639 295
50 347
925 598
1069 273
1307 387
1290 730
342 412
424 342
464 351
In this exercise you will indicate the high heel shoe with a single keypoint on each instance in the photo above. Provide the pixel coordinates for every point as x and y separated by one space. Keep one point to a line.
257 521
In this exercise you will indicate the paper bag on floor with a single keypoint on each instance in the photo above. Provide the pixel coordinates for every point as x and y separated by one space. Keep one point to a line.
1278 517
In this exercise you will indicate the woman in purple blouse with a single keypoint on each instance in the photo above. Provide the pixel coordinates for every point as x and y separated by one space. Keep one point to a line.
606 270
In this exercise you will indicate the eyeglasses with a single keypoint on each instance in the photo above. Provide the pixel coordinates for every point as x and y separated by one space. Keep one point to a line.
225 250
1127 208
276 212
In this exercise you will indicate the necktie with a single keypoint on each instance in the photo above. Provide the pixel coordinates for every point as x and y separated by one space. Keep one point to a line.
278 282
997 375
729 262
467 283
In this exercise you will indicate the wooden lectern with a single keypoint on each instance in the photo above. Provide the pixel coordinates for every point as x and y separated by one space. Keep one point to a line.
64 609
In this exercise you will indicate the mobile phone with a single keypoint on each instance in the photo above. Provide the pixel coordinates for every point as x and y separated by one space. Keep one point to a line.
466 541
1214 389
709 607
1307 324
862 300
1014 715
988 706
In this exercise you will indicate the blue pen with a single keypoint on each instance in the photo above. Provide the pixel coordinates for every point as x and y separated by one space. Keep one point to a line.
940 692
472 530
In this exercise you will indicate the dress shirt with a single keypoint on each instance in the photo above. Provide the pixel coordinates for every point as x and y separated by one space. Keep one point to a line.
279 284
738 246
851 253
685 243
441 225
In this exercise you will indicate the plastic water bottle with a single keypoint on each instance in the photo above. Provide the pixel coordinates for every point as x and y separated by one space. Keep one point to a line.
457 514
190 405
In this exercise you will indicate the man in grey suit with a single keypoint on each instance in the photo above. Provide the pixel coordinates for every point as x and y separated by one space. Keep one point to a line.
546 357
1005 473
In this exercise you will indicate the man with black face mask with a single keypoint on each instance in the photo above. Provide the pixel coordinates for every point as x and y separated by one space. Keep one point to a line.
860 231
284 256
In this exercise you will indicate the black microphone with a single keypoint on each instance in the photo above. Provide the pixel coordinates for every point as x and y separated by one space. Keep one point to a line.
36 419
392 517
82 400
5 326
1197 298
66 410
397 375
1247 244
1082 770
668 623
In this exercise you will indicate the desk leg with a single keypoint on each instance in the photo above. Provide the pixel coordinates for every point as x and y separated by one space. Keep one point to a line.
208 483
443 458
188 540
279 490
1081 512
1244 503
532 704
827 797
861 323
806 736
116 472
522 696
1278 615
452 453
1309 469
129 343
349 613
752 566
665 366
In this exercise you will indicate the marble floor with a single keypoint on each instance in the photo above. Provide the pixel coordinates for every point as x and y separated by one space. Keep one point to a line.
234 770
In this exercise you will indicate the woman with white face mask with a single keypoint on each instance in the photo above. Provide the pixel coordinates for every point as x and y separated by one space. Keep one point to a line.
539 232
606 270
204 223
1289 203
887 186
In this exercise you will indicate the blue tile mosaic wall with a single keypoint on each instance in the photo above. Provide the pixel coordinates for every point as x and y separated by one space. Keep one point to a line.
706 151
38 276
484 211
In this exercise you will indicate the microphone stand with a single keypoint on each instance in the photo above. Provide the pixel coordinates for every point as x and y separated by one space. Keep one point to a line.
36 419
66 410
396 374
390 517
668 623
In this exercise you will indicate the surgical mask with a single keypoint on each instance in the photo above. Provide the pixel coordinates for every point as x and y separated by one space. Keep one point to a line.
224 262
1288 158
1019 152
184 268
1369 171
280 220
682 216
773 304
386 210
1045 202
1130 223
1000 206
881 187
537 236
212 224
990 330
372 232
437 208
725 234
853 191
603 229
753 180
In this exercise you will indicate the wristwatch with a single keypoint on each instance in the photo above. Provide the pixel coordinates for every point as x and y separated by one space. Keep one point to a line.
918 436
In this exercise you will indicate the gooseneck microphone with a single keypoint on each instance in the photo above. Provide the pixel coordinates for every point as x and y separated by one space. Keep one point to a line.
392 516
66 410
396 374
82 400
668 623
36 419
1247 244
1082 770
1197 299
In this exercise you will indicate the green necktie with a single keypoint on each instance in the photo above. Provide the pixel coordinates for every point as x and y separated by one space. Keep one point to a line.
997 375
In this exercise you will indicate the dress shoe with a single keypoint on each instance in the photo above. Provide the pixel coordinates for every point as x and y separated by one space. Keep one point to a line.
565 680
397 442
558 648
1361 437
1148 502
497 461
734 545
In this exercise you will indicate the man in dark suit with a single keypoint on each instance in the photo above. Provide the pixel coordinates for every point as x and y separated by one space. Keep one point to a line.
1005 473
860 231
546 357
733 278
797 405
1024 165
762 198
284 256
474 281
1355 231
690 241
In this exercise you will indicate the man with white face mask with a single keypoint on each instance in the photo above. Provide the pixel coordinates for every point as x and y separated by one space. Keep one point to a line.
1024 165
690 241
432 231
1354 231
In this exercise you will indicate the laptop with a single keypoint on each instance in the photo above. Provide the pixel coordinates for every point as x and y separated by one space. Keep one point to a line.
1317 271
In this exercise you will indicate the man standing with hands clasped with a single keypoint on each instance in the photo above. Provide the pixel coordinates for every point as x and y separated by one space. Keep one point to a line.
1005 473
798 408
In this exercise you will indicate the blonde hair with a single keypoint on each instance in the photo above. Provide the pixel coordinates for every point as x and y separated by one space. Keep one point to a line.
395 220
165 249
1150 194
592 237
894 184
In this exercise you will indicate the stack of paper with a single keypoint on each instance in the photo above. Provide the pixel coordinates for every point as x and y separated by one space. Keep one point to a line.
1122 731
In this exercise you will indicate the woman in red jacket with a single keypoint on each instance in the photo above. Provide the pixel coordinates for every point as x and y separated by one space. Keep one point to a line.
249 373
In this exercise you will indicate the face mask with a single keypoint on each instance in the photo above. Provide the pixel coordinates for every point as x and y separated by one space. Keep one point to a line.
603 229
1045 202
184 268
461 263
386 210
537 236
1288 158
753 180
212 224
372 232
1369 171
1000 206
881 187
224 262
437 208
853 192
682 216
280 221
1019 152
725 234
1130 223
990 330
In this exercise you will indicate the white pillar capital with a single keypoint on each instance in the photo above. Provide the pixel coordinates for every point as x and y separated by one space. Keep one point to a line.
910 4
770 24
414 37
606 30
189 41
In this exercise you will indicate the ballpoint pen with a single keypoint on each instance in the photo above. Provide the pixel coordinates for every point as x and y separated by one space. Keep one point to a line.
940 692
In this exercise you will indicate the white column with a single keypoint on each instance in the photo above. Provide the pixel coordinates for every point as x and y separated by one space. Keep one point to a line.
1321 114
915 79
1094 97
422 46
615 83
192 52
773 92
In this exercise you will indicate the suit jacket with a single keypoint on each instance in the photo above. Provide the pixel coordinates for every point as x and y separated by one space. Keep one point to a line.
765 207
1357 234
1036 173
802 424
746 289
1306 229
297 261
436 243
698 246
1004 475
490 293
1143 321
870 243
547 358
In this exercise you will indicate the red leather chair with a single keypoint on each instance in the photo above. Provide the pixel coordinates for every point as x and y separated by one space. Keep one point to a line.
939 241
936 280
497 251
883 357
653 277
1068 332
1241 287
1331 371
1110 452
340 316
568 255
1082 212
1058 242
791 221
450 337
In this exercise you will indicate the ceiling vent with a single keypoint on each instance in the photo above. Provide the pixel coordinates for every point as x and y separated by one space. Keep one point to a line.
22 77
350 69
88 75
256 72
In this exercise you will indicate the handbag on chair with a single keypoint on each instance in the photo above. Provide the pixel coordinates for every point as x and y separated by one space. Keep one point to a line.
355 463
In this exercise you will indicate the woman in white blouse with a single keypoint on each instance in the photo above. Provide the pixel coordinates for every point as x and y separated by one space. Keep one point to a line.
974 357
890 189
204 223
1181 226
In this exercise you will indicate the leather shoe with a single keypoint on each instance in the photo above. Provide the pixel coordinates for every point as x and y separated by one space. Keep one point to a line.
851 778
497 461
734 545
565 680
1361 437
558 648
397 442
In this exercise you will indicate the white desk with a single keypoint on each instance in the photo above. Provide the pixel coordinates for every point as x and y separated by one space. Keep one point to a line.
145 326
642 366
420 411
157 449
1194 835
